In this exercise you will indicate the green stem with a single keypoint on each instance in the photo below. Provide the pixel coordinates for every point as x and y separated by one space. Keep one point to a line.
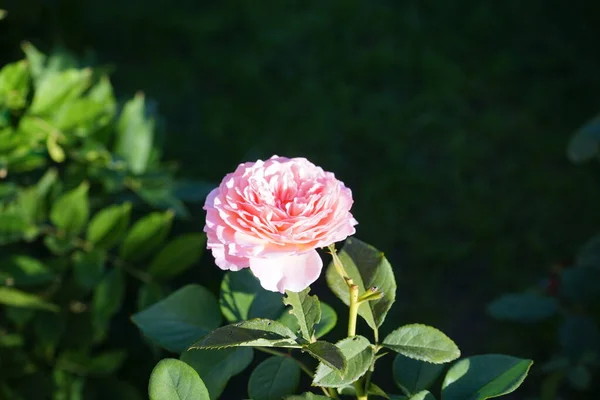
354 304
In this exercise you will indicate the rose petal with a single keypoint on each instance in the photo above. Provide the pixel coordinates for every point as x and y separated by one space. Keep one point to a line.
294 273
228 262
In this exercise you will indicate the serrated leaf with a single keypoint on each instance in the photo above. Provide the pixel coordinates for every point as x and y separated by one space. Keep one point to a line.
255 332
523 307
180 319
326 353
70 211
17 298
25 271
368 268
178 255
358 353
135 135
108 227
216 367
484 377
174 379
274 378
414 375
306 309
422 342
146 235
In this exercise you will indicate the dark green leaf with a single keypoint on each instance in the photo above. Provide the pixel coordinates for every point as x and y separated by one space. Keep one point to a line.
414 375
358 353
178 255
146 236
327 322
149 294
107 300
523 307
327 353
13 227
174 379
135 135
216 367
422 395
59 246
580 283
70 211
180 319
579 335
32 201
579 377
107 362
306 396
589 254
368 268
422 342
484 377
583 145
255 332
23 270
242 298
109 226
306 309
17 298
89 268
274 378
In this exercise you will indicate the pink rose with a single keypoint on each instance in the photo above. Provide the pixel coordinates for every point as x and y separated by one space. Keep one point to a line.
272 215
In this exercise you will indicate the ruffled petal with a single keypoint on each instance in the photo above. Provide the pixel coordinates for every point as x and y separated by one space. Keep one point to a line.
294 273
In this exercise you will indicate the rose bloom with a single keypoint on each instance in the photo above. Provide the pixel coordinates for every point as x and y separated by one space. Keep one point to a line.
271 215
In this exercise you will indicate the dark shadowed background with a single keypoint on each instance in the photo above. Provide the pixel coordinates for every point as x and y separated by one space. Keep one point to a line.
448 120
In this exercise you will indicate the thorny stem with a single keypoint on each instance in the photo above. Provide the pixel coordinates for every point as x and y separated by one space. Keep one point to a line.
302 366
359 385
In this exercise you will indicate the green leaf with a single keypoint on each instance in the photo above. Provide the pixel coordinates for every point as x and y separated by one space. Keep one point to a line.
306 309
306 396
13 227
89 268
422 342
146 236
178 255
327 322
484 377
523 307
135 135
583 145
56 152
414 375
180 319
359 355
255 332
2 14
108 227
17 298
422 395
49 330
368 268
58 88
14 85
25 271
35 59
172 379
107 300
274 378
327 353
107 363
32 201
242 298
70 211
216 367
579 335
579 377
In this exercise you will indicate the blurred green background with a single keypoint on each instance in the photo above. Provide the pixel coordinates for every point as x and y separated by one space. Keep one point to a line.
448 120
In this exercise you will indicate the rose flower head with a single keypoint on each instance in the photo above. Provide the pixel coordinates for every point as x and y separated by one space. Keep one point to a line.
271 215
